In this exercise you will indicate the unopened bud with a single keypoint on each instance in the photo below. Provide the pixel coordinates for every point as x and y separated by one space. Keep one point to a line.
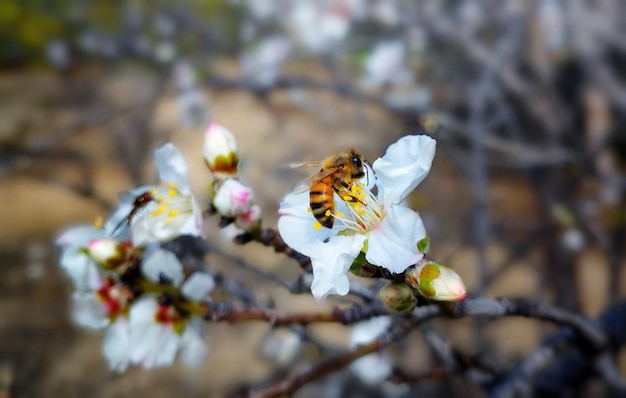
233 199
108 253
436 282
220 151
250 220
398 297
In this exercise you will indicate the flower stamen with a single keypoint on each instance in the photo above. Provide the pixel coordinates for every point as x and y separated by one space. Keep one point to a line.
365 212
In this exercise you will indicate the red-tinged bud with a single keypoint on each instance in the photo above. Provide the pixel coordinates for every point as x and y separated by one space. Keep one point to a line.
436 282
233 199
249 220
220 151
108 253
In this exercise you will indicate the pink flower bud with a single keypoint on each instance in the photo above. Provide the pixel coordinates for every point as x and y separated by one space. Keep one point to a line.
108 253
233 198
250 220
220 151
436 282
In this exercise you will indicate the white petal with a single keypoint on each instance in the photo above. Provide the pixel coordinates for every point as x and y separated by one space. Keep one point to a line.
172 168
393 244
152 344
163 263
116 347
331 261
405 164
193 348
88 311
193 224
295 224
79 236
198 286
156 347
81 269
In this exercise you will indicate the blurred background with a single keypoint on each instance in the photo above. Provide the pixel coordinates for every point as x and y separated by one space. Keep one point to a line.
526 198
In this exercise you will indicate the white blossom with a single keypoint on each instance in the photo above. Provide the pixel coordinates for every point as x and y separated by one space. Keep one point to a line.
380 226
173 210
372 368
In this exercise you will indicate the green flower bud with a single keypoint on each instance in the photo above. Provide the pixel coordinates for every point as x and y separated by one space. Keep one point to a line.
398 297
436 282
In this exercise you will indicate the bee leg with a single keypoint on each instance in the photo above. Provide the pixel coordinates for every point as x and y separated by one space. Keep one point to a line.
346 195
343 184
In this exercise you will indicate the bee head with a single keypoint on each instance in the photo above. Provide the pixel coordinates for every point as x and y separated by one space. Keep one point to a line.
356 160
143 198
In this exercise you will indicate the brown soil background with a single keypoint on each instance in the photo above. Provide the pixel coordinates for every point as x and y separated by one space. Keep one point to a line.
43 355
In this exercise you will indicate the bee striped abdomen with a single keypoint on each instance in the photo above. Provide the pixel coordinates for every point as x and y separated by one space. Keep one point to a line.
322 203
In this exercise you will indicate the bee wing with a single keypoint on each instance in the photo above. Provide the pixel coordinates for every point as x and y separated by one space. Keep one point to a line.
305 163
305 184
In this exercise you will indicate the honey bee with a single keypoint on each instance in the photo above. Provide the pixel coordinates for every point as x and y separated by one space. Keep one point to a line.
337 174
138 203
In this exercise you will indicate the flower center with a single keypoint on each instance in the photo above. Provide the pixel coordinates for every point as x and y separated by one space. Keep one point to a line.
171 204
113 297
364 211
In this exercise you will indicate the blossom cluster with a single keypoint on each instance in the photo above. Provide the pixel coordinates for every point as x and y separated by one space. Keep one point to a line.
150 306
128 285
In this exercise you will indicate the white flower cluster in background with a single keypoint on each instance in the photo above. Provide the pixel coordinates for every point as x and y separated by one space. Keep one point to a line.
127 285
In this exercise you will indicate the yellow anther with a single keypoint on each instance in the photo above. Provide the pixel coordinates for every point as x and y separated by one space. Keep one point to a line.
172 192
173 213
308 209
160 210
154 192
317 225
346 198
339 214
327 213
171 185
98 222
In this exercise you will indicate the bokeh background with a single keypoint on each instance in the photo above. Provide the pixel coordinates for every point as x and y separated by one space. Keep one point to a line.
526 198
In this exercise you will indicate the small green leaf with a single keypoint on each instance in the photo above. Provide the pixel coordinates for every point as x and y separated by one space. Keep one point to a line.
358 263
424 245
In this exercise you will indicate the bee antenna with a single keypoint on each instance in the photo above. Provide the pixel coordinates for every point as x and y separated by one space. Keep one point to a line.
119 225
367 172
